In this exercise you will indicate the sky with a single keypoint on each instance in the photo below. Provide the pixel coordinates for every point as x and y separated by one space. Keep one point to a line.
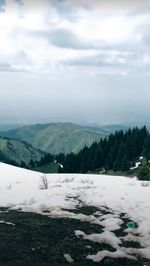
84 61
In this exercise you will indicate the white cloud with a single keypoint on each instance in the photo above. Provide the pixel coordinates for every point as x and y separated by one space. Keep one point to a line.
75 51
47 38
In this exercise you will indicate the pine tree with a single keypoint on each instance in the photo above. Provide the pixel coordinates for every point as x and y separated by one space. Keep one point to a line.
31 164
125 163
146 151
115 152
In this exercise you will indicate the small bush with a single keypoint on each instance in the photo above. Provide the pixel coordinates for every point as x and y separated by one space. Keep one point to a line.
86 181
44 182
144 171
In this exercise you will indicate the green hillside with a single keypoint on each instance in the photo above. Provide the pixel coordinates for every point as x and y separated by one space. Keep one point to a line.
55 137
17 151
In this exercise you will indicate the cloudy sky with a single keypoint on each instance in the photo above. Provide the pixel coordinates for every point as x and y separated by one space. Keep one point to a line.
68 60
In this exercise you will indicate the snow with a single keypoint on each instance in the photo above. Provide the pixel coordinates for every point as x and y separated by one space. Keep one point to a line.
79 233
61 166
136 165
111 223
20 189
106 237
102 254
141 158
3 222
68 258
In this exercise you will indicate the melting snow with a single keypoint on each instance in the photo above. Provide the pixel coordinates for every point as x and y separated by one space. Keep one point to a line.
3 222
68 258
136 165
105 253
20 189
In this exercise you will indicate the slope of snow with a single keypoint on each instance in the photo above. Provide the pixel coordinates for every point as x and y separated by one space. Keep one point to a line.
21 189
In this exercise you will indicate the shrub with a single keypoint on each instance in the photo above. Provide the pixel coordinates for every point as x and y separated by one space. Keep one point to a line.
44 182
144 171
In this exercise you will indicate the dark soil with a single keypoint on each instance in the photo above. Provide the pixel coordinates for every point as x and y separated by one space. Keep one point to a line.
40 240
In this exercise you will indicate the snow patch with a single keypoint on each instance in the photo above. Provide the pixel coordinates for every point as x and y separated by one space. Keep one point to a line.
105 237
136 166
68 258
9 223
103 254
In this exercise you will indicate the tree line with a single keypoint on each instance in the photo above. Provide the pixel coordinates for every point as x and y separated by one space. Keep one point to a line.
118 152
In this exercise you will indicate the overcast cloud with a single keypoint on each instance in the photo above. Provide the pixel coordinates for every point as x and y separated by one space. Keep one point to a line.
79 61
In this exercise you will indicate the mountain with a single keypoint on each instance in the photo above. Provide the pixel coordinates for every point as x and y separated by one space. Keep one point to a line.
106 129
17 151
55 137
113 128
6 127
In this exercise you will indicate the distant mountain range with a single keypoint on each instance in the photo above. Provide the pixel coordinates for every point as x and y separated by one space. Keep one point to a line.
57 137
7 127
18 151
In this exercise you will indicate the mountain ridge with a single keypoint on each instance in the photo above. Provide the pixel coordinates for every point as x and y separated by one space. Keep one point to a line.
14 150
55 137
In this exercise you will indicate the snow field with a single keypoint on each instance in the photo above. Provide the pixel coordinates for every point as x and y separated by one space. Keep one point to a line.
24 189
